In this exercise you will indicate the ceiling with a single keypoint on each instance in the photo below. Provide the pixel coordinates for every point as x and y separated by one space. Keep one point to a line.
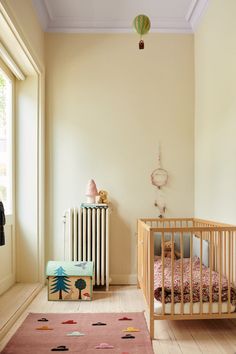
117 15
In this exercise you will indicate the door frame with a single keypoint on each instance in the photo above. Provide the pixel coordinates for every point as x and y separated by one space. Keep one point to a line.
9 20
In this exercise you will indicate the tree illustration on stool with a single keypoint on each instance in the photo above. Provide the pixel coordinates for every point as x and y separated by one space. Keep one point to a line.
80 284
61 282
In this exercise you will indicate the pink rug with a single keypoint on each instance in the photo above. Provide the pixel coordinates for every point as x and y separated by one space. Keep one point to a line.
85 333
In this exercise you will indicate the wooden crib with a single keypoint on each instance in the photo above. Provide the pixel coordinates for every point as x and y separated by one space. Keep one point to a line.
218 276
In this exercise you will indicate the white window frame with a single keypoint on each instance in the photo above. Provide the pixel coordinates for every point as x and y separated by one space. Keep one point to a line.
11 162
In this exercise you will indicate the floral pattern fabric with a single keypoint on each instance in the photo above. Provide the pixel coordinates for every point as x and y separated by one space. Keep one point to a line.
196 281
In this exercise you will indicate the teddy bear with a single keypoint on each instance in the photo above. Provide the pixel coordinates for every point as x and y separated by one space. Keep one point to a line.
168 250
103 197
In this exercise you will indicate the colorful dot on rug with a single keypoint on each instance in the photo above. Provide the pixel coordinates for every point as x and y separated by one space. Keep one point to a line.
75 334
104 346
99 324
60 348
44 328
43 319
128 336
69 322
125 319
131 329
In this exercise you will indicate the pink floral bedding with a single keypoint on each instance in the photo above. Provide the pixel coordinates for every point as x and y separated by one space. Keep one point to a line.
186 282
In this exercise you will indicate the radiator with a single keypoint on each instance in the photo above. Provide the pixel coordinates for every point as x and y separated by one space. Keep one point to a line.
86 232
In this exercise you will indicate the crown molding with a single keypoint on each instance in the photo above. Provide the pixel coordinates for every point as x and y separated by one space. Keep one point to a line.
113 30
196 12
49 10
72 24
42 12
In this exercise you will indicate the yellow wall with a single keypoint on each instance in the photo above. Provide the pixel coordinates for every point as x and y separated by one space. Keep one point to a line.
23 14
215 116
108 106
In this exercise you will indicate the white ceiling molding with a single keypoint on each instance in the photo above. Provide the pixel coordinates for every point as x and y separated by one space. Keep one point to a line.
177 25
43 13
57 17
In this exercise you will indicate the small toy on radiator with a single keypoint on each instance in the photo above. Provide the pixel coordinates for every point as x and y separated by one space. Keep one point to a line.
103 197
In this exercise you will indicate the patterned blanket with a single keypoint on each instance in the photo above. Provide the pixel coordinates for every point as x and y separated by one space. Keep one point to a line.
196 277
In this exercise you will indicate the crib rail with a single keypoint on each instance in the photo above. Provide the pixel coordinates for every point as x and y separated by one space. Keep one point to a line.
210 260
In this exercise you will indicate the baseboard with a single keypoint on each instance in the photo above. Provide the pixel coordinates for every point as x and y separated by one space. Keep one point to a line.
20 310
6 283
127 279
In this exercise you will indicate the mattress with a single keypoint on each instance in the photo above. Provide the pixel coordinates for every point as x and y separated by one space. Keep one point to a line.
189 287
196 308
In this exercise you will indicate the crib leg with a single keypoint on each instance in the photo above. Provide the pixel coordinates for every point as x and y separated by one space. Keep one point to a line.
151 327
138 285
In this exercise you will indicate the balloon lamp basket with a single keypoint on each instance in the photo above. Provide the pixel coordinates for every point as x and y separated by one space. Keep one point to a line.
141 44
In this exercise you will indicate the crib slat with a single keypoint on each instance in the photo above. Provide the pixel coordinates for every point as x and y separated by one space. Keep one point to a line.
172 273
230 234
151 282
211 261
225 234
233 258
145 262
191 273
163 272
220 235
215 251
201 273
182 273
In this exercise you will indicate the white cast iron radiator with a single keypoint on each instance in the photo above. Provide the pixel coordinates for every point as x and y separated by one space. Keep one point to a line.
86 232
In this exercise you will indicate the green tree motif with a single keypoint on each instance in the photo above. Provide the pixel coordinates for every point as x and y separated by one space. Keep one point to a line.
80 284
61 282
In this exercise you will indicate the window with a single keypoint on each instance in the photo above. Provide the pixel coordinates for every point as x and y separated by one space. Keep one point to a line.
6 89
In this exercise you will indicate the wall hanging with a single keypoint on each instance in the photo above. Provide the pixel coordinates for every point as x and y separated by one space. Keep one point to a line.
159 178
142 25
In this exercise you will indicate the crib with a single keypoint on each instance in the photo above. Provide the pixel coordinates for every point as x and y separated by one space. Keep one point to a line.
198 284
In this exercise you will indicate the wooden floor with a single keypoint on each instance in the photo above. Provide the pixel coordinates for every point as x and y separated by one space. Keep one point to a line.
190 337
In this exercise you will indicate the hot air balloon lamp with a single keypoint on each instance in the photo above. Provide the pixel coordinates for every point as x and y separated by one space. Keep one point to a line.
142 25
